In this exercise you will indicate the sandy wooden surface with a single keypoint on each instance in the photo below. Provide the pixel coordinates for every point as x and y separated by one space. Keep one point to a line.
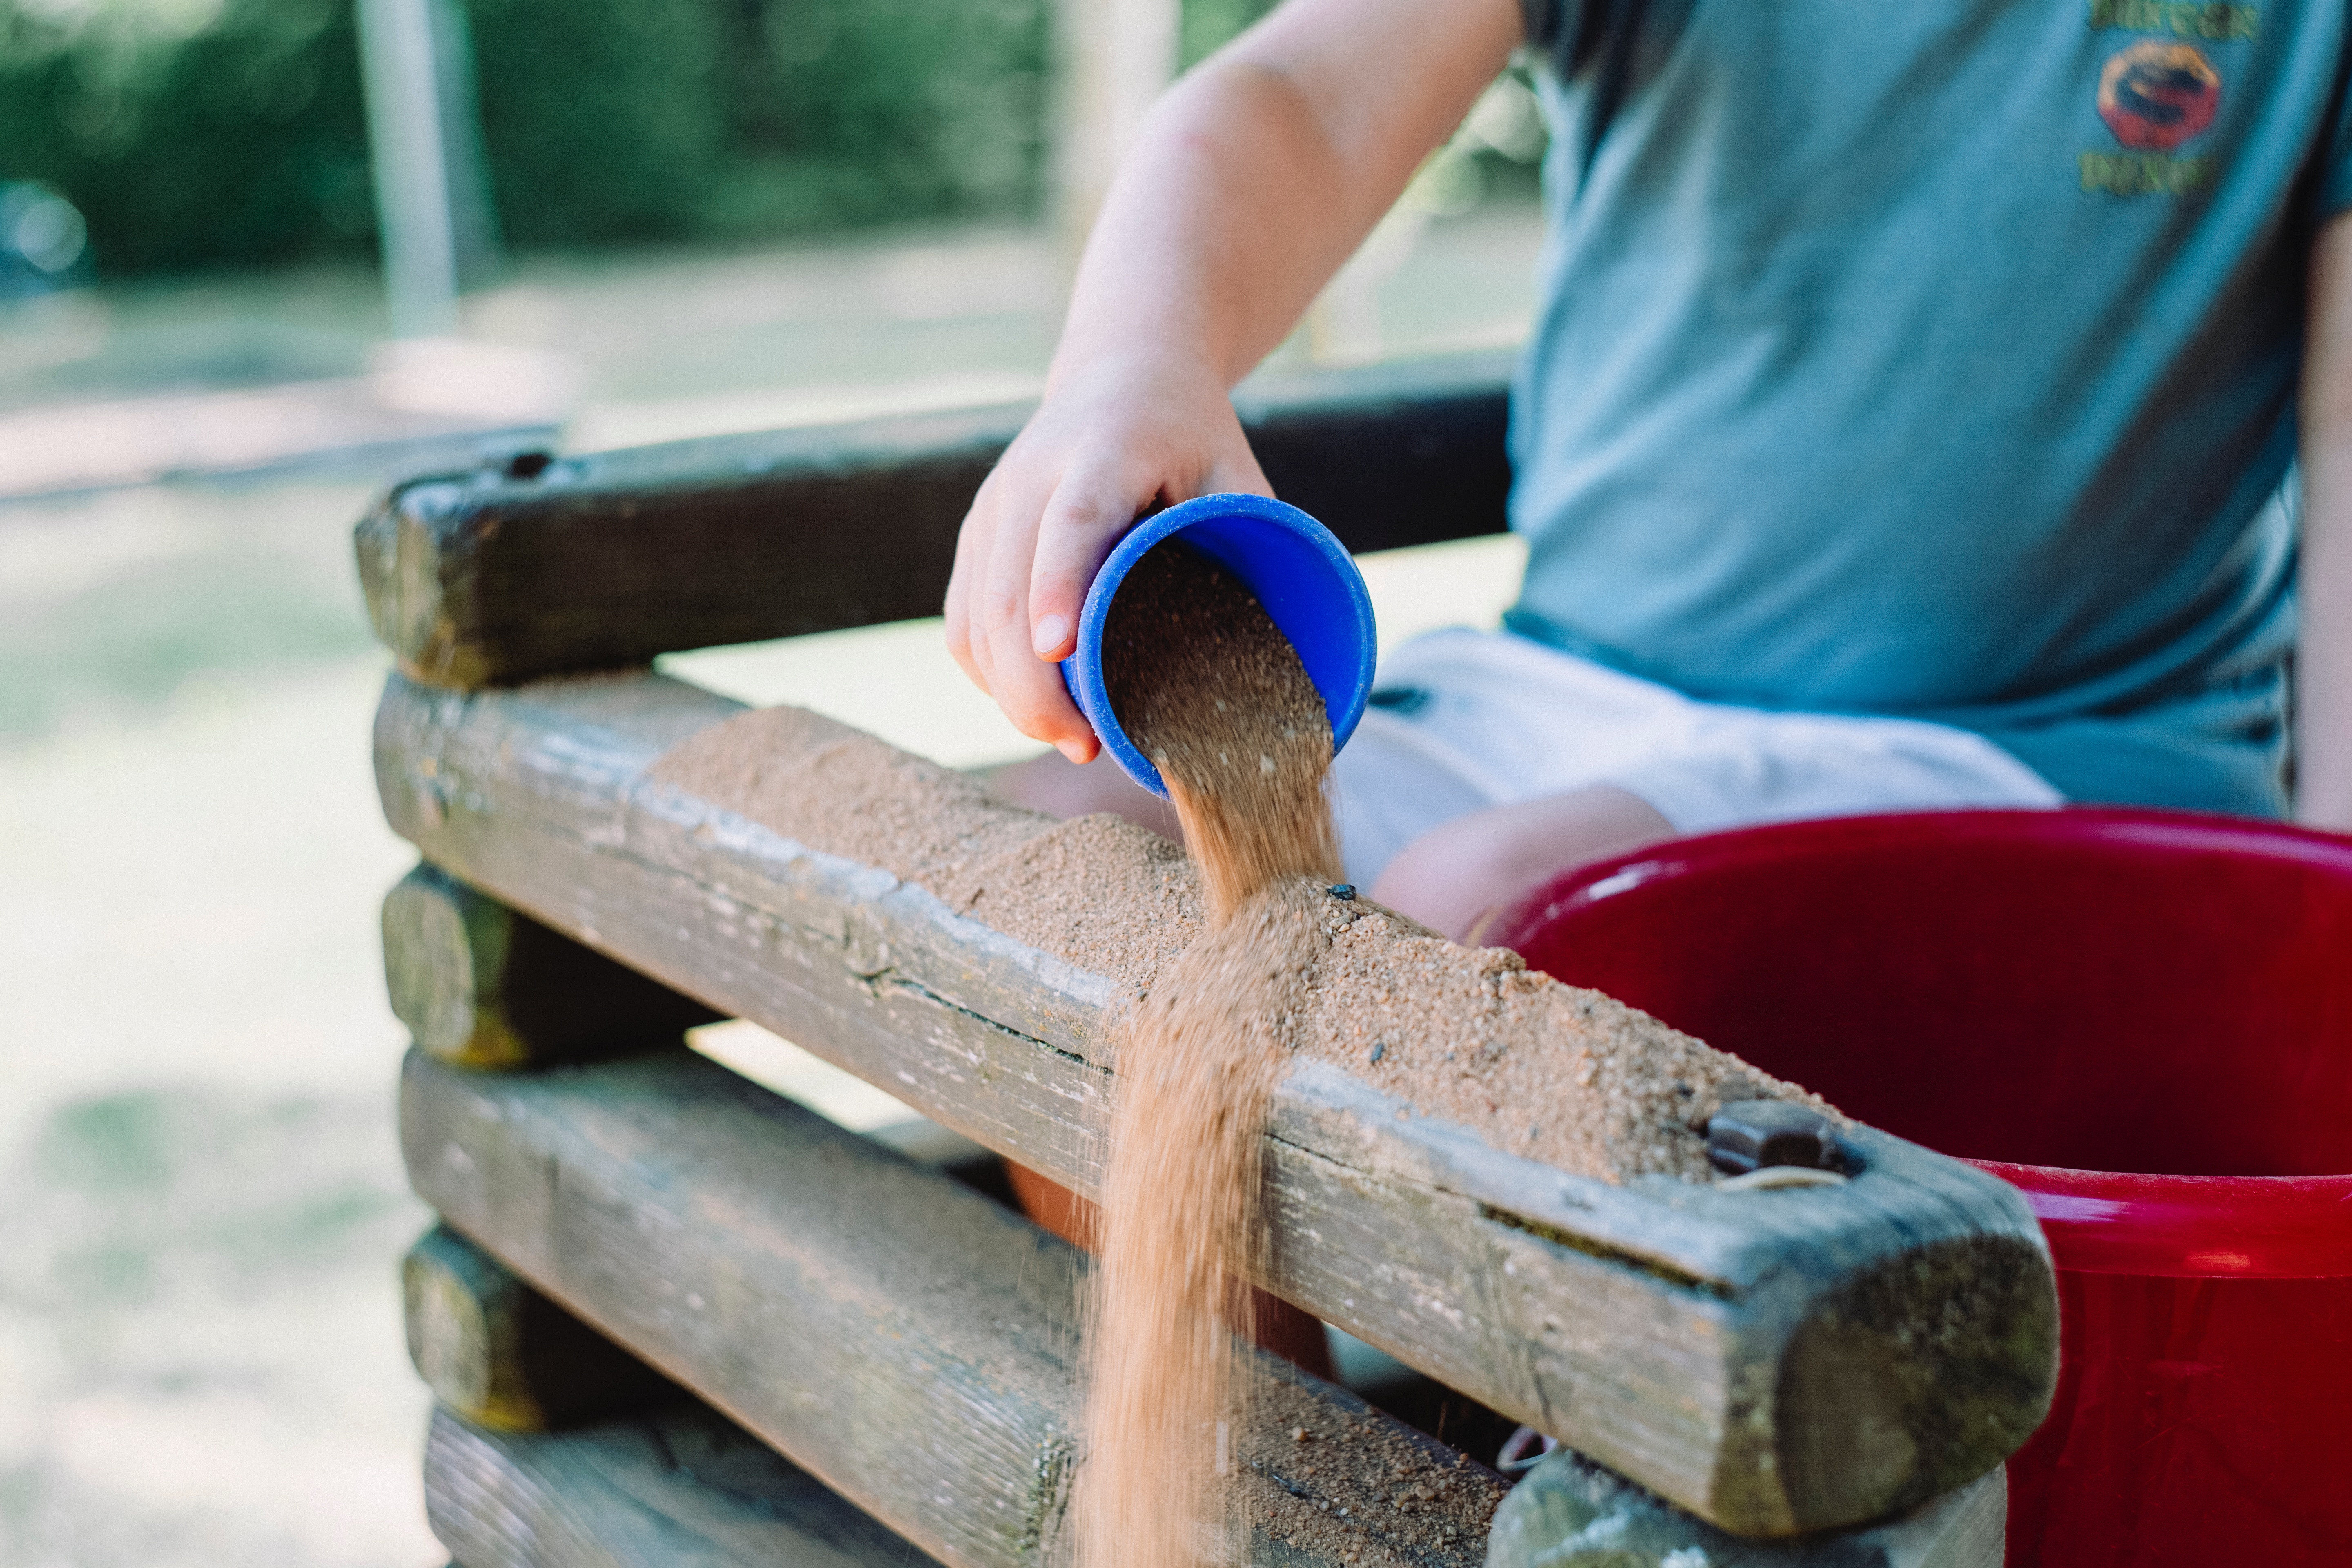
201 1205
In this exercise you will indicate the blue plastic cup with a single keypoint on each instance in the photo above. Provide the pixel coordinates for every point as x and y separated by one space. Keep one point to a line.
1299 571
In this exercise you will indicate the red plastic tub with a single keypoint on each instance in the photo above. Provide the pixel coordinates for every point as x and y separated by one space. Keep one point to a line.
2144 1019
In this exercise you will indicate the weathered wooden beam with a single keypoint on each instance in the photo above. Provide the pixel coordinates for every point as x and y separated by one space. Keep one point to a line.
1569 1513
481 985
606 561
502 1355
908 1342
1774 1360
680 1487
914 1344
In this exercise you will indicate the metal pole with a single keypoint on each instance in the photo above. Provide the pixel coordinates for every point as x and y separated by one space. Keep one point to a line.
411 168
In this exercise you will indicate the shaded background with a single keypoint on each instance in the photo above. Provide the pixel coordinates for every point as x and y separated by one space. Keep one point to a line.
696 215
232 132
209 133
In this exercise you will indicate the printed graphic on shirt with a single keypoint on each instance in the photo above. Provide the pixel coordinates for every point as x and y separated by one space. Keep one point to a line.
2214 23
2155 96
2144 173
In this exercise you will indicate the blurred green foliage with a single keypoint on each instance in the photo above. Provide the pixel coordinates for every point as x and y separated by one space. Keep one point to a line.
198 133
203 133
635 120
190 132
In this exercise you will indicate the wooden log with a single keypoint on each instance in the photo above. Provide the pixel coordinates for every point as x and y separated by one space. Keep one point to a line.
481 985
1569 1513
1775 1361
914 1344
501 1354
680 1487
606 561
902 1338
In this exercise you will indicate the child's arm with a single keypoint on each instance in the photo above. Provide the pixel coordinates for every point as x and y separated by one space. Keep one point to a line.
2324 590
1252 181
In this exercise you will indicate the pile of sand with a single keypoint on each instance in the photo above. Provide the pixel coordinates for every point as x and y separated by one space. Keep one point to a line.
1101 893
1562 1075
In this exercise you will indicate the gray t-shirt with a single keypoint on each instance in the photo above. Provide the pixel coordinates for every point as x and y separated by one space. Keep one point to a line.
1937 360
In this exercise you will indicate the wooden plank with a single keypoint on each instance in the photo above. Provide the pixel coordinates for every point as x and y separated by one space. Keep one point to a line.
1569 1513
914 1344
481 985
680 1487
904 1339
1774 1362
606 561
502 1355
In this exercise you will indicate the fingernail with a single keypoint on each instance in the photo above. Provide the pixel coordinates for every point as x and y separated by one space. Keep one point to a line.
1047 638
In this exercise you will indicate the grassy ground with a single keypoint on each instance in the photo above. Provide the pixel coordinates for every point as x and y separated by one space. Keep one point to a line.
201 1202
200 1197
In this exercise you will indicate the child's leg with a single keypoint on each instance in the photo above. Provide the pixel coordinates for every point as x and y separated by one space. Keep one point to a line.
1497 763
1451 875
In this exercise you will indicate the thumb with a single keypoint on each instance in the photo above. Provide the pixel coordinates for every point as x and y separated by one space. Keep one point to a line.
1092 508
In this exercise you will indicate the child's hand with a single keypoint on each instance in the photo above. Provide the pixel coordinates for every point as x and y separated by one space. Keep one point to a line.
1113 438
1253 179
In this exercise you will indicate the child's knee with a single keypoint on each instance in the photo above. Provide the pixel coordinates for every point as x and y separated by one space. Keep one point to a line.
1448 877
1454 874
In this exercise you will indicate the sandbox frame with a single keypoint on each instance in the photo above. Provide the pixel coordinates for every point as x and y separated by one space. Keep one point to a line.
1777 1365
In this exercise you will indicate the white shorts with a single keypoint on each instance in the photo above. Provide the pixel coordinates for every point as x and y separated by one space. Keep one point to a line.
1465 719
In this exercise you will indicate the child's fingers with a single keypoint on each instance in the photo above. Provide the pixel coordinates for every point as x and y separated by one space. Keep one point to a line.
1032 694
973 541
1029 690
1009 495
1094 506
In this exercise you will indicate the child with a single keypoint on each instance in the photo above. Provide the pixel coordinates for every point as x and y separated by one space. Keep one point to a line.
1908 421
